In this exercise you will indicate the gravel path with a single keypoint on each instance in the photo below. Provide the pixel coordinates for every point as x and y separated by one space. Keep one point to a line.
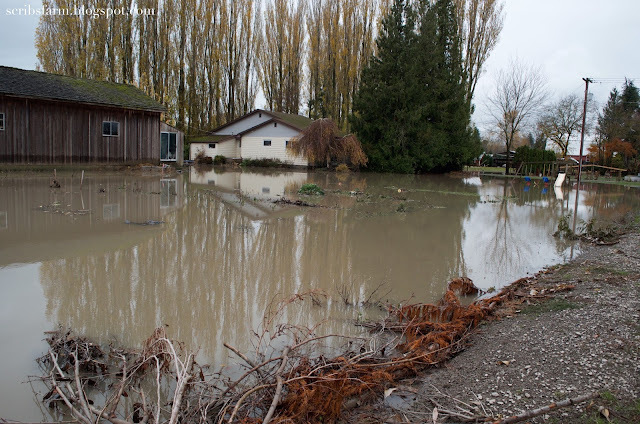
574 343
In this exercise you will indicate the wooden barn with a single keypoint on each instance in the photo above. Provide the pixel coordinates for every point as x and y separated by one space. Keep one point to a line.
47 118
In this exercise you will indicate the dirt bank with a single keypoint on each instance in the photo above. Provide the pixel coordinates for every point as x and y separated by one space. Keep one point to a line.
549 349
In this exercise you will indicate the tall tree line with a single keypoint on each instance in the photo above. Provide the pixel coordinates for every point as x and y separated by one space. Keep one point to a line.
206 60
197 57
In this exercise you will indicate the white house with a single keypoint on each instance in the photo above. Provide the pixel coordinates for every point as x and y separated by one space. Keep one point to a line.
260 134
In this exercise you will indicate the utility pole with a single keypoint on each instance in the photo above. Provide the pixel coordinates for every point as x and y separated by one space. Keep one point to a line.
584 119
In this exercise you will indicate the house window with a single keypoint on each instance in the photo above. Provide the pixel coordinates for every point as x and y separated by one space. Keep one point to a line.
168 146
267 142
275 124
1 121
286 143
212 145
110 129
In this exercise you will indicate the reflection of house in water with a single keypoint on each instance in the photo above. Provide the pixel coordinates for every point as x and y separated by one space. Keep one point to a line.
247 191
39 223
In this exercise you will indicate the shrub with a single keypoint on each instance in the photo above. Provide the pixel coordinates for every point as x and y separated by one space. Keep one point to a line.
202 159
322 142
342 168
527 154
266 163
311 190
219 160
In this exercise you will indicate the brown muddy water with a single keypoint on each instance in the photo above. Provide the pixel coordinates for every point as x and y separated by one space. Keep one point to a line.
206 253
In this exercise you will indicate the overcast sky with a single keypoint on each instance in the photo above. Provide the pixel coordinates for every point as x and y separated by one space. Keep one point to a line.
569 39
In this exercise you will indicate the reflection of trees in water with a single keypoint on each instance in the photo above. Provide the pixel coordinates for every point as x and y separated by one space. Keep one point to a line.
520 225
610 202
505 252
212 271
209 276
417 251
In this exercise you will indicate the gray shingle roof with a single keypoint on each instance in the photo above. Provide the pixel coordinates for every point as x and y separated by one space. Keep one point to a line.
23 83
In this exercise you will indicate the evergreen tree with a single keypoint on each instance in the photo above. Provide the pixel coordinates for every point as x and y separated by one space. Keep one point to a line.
619 121
445 142
411 112
383 102
630 97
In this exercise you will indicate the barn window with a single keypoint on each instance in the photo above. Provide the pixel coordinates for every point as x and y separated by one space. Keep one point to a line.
267 142
110 129
212 145
1 121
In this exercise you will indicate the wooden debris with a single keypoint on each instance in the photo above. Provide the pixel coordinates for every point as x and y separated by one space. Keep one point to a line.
295 385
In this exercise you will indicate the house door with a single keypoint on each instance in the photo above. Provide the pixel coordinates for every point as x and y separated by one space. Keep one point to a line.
168 146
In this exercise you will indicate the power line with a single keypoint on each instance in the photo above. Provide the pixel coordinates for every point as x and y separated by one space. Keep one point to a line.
611 80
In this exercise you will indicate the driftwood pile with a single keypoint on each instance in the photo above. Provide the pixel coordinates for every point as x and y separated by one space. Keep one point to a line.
162 383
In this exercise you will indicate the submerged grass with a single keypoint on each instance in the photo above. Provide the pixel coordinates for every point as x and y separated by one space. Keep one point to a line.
424 190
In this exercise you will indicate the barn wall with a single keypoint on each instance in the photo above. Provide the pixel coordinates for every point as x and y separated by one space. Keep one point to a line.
40 131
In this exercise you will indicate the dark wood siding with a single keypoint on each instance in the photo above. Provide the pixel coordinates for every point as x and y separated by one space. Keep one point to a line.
40 131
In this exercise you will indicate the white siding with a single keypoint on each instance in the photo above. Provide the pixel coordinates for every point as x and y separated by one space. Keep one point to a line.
226 180
271 186
227 148
254 148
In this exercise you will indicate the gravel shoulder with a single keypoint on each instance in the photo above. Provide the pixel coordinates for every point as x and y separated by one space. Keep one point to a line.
545 350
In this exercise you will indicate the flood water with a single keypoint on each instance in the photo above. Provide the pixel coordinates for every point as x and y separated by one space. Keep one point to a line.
206 253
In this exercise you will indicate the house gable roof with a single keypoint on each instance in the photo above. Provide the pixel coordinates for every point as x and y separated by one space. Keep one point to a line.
297 122
41 85
266 123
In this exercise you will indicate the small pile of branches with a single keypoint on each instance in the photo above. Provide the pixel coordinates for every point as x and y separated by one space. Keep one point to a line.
588 231
79 371
285 380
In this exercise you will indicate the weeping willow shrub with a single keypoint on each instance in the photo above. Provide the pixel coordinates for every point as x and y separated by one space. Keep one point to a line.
321 142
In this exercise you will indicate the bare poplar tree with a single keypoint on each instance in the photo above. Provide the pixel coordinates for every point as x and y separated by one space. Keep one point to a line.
479 24
561 120
340 35
281 55
519 93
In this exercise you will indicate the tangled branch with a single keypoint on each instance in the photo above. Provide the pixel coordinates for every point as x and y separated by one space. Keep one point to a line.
292 383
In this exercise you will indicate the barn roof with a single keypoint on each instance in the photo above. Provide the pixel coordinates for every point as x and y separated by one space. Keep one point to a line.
41 85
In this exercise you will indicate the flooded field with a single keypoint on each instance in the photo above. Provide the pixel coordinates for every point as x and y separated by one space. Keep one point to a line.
206 253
